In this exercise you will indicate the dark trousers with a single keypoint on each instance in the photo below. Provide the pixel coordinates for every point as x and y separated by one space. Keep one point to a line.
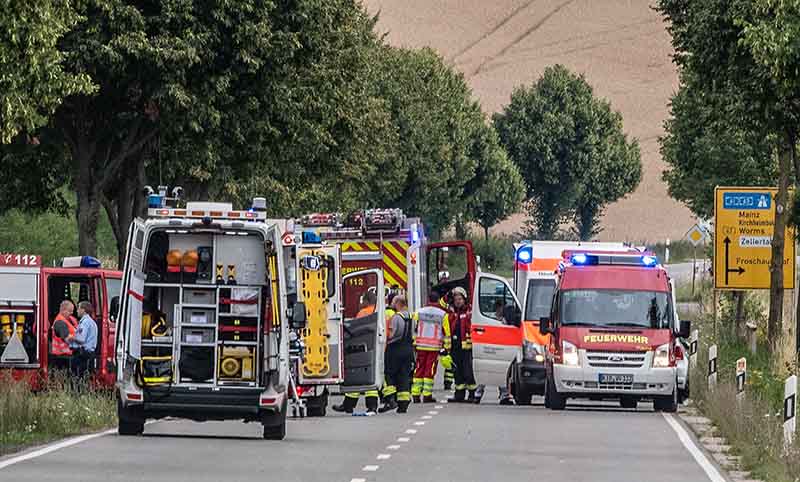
398 362
82 363
464 374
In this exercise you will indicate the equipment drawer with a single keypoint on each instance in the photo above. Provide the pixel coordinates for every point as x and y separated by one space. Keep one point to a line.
198 316
200 296
197 335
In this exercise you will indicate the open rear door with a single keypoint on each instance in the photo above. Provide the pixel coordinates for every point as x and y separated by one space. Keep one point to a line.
496 342
132 295
450 264
364 326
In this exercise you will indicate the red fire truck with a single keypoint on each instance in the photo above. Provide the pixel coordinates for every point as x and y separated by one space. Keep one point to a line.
614 331
30 296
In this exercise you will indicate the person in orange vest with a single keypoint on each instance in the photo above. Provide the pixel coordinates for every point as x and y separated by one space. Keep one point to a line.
63 327
432 340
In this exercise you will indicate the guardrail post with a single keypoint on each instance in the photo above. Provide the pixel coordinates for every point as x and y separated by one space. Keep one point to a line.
789 411
712 367
741 378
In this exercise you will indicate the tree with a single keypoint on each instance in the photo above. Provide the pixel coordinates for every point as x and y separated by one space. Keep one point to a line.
34 81
734 48
497 189
565 141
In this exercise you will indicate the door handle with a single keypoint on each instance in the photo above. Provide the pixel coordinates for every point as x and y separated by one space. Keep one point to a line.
477 329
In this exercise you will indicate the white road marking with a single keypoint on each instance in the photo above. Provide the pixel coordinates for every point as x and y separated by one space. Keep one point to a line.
411 431
426 417
371 468
687 441
53 447
439 407
419 423
392 447
384 456
358 480
404 439
433 412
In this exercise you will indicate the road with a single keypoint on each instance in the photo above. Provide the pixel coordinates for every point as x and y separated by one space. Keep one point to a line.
587 442
682 272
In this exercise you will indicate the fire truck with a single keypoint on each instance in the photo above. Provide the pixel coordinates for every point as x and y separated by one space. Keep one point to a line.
384 251
30 297
613 331
535 266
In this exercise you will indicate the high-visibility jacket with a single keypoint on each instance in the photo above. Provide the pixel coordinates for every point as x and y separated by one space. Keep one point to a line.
461 327
389 314
433 328
365 311
58 346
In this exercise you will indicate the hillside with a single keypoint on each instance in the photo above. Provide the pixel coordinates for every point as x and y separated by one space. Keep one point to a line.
621 46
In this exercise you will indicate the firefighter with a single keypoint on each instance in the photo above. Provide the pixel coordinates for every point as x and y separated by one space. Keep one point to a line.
398 359
368 302
433 340
460 328
449 375
63 327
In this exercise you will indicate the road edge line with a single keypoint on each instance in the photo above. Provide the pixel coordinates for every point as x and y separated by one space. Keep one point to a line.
699 456
52 447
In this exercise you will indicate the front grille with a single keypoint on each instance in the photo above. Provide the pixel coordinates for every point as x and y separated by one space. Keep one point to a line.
610 359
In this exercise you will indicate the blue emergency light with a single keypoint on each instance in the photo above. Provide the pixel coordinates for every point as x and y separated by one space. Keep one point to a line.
583 259
81 262
580 259
311 237
525 254
154 201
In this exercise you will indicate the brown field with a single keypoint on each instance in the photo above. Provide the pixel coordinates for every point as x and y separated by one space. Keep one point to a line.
621 46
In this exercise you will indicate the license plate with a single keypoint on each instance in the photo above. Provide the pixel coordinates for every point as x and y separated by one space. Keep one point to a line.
611 379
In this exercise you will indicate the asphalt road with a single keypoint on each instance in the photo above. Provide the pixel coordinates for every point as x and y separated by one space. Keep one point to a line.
587 442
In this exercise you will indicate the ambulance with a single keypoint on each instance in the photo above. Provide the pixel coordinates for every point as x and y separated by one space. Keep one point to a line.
613 331
205 319
534 281
383 251
30 298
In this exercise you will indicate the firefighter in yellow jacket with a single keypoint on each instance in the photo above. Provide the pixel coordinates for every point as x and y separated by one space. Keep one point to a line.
432 340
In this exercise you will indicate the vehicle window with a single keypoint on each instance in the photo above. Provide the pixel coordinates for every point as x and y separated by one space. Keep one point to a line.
539 298
359 295
113 287
493 297
447 263
645 309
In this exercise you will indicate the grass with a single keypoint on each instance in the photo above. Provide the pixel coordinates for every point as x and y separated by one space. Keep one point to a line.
28 418
683 291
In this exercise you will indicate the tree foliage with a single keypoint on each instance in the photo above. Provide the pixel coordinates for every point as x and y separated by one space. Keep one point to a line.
570 149
33 81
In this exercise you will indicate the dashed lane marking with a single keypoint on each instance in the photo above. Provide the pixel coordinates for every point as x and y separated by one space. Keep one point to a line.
384 456
433 412
411 431
358 480
439 407
419 423
371 468
426 417
392 447
404 439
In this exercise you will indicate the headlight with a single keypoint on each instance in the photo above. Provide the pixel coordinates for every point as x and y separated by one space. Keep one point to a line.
661 356
532 351
570 354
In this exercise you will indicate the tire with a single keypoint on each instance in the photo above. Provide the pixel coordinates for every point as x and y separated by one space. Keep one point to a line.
521 395
628 402
556 400
317 406
275 424
131 420
668 404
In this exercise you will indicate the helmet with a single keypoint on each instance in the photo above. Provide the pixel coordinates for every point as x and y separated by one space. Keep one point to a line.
460 291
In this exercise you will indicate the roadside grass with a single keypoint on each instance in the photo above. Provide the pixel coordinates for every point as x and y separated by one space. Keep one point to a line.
28 418
683 290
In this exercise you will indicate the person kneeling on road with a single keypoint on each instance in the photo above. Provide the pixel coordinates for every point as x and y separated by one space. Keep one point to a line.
399 357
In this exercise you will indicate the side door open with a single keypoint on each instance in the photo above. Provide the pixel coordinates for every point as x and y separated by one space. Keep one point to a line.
364 327
448 265
497 332
129 326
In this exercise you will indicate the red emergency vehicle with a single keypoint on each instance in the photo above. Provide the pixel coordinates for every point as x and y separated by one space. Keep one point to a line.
30 296
614 331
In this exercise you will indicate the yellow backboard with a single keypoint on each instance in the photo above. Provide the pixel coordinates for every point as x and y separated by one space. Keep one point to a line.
744 221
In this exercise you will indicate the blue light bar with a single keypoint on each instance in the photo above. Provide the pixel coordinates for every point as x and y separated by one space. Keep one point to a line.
580 258
649 260
525 254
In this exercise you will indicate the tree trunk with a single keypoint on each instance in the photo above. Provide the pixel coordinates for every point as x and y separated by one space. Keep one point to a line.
486 233
461 227
124 202
775 323
587 220
88 216
741 329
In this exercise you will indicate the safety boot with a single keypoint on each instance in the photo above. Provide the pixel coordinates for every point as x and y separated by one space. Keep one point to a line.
448 386
402 406
347 405
429 399
372 405
476 395
458 396
389 405
416 399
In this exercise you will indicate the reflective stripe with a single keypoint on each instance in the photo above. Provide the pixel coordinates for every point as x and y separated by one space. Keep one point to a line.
389 390
403 396
430 331
416 387
427 387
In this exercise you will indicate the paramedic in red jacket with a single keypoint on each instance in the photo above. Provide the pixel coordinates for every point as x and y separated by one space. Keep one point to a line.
460 331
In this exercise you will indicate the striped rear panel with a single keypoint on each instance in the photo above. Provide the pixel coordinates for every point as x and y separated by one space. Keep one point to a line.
395 258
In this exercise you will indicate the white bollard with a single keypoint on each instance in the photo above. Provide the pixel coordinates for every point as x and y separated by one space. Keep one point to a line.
666 253
789 410
693 342
712 367
741 377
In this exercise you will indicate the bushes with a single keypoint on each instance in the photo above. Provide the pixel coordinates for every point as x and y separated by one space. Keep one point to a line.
27 418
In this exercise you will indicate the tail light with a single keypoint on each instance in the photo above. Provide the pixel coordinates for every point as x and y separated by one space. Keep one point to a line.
679 352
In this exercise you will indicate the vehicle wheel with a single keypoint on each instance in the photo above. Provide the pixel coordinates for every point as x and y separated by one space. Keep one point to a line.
628 402
131 420
521 395
667 404
275 424
317 406
557 401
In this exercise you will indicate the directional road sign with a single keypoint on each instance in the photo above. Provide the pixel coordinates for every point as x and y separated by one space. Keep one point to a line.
744 223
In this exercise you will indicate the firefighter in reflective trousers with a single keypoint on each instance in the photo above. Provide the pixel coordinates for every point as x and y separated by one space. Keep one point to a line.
433 339
399 359
460 328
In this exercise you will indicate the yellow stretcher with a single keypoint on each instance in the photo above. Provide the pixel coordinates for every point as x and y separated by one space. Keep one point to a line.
314 287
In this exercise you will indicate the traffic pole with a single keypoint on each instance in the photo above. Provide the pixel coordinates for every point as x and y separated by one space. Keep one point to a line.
694 266
741 378
712 367
789 411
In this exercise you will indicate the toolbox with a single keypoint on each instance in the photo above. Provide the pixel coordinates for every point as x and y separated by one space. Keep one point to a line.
236 363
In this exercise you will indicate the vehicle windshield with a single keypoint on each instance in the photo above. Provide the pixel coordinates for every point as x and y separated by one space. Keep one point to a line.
539 298
615 308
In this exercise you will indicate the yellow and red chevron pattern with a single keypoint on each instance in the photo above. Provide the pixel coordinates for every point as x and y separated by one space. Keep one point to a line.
395 258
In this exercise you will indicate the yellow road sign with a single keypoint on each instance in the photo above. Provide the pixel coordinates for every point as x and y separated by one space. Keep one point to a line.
696 235
744 221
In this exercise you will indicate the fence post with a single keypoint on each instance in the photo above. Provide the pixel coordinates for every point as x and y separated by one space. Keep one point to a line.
789 410
741 378
693 339
712 367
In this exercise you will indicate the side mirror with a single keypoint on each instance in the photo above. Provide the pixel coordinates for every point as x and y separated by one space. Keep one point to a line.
685 329
298 316
512 315
545 325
